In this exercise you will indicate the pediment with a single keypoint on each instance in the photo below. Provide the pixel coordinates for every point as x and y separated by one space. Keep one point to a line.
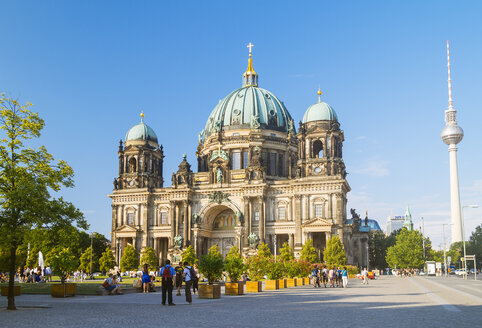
317 222
126 228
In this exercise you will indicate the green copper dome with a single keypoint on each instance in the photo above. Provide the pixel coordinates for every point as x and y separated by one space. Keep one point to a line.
250 107
141 131
320 111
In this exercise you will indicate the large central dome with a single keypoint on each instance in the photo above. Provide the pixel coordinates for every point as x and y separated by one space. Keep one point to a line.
249 107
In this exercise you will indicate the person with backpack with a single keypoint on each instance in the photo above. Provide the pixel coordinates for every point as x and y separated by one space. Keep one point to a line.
344 276
316 277
189 276
179 272
167 273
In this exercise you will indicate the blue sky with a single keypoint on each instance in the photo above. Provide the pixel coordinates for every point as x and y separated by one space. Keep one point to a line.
90 67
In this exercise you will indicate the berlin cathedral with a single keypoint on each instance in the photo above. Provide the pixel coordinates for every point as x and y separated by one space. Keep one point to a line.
258 180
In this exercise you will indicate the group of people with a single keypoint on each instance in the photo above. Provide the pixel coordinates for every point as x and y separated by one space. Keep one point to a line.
333 277
32 275
182 273
111 284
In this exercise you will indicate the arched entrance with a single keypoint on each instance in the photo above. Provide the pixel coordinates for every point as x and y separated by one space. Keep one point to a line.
220 229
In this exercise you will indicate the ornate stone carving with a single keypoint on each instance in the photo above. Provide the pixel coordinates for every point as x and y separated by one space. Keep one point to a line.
255 122
356 220
253 240
218 197
196 219
178 241
219 175
219 153
240 217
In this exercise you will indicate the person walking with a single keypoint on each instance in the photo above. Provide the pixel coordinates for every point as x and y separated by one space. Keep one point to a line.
195 283
324 275
365 276
167 273
344 276
179 272
316 277
189 276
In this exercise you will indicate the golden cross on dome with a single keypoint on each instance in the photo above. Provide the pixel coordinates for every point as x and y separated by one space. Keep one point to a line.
142 116
250 45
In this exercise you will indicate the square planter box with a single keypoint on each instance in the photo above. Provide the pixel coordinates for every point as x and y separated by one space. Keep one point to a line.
64 290
271 284
254 286
16 290
291 282
299 281
282 283
233 288
209 291
306 281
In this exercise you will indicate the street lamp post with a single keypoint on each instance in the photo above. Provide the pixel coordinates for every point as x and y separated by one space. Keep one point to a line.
445 257
463 236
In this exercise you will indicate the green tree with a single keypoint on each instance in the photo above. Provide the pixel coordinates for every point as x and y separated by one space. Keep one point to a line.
474 246
334 254
189 256
32 258
149 257
286 253
27 176
407 251
106 261
308 252
130 259
378 245
211 265
263 250
64 263
234 265
85 261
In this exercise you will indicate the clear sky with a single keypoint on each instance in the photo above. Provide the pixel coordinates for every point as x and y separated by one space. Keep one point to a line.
90 67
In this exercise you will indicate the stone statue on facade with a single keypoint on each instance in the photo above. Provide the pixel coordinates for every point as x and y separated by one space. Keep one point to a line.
255 122
116 184
200 137
356 220
253 240
178 241
240 217
291 127
196 219
219 175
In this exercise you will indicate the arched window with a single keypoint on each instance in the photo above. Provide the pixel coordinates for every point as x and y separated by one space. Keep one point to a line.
317 149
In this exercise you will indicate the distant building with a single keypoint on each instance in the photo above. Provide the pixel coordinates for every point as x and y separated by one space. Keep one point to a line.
407 222
394 223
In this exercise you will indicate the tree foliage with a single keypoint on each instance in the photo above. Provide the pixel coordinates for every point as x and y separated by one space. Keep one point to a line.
233 264
130 259
474 246
334 253
189 256
85 261
63 263
211 265
258 266
27 176
149 257
407 251
378 245
286 253
308 252
106 261
263 250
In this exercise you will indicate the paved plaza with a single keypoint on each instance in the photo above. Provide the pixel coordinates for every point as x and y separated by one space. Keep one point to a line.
386 302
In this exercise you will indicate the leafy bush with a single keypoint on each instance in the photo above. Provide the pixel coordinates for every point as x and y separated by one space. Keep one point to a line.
258 267
211 265
352 269
63 263
275 269
107 261
149 257
334 254
263 250
189 256
286 253
234 265
130 259
308 252
85 261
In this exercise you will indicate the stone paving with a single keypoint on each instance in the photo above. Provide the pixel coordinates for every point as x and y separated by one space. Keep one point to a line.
386 302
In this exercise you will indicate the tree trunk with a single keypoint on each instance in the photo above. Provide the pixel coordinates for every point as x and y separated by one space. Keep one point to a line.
11 280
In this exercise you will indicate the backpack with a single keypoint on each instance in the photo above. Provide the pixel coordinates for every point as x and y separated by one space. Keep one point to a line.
192 273
166 274
315 271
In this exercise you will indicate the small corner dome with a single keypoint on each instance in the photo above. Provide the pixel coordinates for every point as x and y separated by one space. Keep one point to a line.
141 131
320 111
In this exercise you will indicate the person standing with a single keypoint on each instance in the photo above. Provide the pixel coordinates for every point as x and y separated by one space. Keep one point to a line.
167 273
365 276
195 283
189 276
344 276
146 279
179 271
316 277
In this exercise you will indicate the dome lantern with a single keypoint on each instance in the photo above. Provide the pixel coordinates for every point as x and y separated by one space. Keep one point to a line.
250 78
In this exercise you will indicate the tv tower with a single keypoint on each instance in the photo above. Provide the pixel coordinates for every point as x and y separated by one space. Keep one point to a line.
451 135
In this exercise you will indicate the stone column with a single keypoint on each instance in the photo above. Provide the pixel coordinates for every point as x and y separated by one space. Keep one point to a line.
145 225
327 236
261 219
185 221
297 237
189 223
172 222
308 148
178 222
329 214
339 209
114 217
291 240
247 220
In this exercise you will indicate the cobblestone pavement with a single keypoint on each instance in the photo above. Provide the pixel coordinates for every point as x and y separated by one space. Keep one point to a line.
386 302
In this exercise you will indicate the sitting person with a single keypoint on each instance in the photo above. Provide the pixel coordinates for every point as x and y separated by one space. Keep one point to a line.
111 285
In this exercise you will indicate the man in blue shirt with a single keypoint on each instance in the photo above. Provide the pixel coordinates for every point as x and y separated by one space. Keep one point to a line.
167 273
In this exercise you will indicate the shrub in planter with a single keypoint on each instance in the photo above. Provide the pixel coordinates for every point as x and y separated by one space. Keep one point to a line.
211 266
234 267
274 273
63 263
257 267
